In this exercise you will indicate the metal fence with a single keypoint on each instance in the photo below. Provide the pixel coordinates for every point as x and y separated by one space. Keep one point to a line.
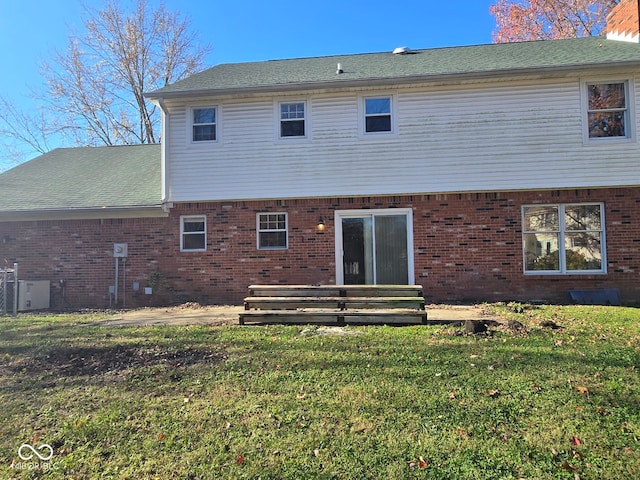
9 290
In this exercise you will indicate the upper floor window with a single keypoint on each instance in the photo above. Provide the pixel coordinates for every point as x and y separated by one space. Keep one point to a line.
193 233
563 238
608 110
377 114
272 231
292 119
204 124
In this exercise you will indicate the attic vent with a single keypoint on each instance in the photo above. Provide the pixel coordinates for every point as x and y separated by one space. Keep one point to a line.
401 50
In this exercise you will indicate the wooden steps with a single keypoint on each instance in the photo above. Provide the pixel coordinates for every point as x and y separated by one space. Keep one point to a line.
334 304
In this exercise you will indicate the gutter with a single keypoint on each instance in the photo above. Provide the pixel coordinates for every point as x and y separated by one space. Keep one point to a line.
164 165
148 211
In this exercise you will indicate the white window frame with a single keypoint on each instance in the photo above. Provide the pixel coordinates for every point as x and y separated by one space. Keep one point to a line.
200 218
191 124
363 114
629 120
279 120
260 230
338 239
562 232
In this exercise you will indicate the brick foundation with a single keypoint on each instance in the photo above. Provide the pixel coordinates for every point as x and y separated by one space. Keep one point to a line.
467 247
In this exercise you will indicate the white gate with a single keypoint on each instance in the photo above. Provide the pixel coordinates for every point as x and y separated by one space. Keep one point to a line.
9 290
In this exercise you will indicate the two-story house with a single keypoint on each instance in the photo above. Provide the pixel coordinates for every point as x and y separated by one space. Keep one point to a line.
490 172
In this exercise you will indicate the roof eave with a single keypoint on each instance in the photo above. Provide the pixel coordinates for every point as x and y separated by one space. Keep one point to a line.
94 213
385 81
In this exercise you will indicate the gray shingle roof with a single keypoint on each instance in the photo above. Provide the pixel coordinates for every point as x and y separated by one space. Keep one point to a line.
84 178
386 67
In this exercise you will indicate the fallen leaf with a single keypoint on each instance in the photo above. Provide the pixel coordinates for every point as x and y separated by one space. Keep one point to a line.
576 441
452 395
493 393
568 467
239 459
582 390
161 437
602 411
316 452
537 387
423 463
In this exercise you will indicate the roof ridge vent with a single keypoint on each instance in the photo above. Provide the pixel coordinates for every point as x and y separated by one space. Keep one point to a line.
401 50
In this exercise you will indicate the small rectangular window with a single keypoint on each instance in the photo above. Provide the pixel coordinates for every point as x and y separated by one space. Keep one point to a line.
272 231
377 114
204 124
563 238
193 233
607 110
292 119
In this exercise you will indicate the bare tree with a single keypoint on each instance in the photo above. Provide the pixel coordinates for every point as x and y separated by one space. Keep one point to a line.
523 20
94 89
25 129
97 86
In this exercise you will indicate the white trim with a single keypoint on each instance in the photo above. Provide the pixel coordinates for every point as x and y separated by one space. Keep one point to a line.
393 97
182 232
562 267
190 124
630 116
259 230
277 119
339 252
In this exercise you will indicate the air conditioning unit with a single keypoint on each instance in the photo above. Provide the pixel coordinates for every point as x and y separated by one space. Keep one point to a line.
33 295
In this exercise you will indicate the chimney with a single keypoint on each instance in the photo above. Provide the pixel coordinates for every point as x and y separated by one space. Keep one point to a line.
623 23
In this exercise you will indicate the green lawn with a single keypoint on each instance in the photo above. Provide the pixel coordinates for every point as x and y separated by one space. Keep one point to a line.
293 402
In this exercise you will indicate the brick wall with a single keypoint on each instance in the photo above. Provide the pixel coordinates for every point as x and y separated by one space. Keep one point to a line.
623 20
467 247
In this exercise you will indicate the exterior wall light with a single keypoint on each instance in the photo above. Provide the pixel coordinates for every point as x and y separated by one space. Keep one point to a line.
320 226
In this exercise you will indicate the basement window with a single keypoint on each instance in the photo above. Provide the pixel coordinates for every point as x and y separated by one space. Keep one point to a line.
193 233
272 231
564 238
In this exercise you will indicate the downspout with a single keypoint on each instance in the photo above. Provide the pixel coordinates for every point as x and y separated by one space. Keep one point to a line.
164 167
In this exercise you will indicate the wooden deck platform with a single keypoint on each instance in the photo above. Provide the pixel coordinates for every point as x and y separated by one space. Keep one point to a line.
334 304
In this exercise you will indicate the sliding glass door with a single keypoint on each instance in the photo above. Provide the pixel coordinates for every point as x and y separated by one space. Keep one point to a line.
374 246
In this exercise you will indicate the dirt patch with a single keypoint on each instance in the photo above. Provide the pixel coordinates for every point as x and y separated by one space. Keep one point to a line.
112 359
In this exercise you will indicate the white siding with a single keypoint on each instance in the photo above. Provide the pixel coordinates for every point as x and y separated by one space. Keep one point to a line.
504 136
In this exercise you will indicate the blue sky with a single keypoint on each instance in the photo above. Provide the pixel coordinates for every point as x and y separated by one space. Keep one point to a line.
240 31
